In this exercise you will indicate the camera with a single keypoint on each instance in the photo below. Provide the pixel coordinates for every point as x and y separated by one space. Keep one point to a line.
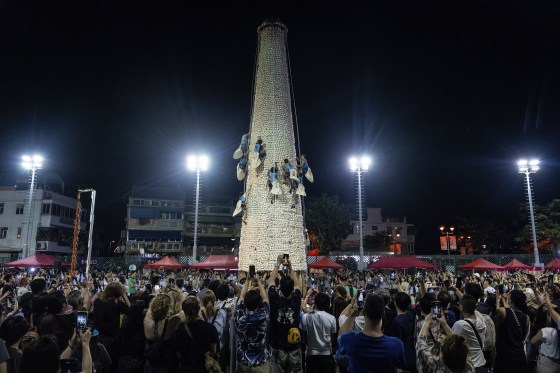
81 321
251 271
436 310
361 298
286 263
550 281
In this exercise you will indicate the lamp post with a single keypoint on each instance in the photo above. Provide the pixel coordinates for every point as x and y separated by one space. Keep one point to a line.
360 165
30 163
527 168
447 233
196 163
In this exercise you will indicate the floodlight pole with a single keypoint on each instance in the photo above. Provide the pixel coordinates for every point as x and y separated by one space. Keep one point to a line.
90 234
360 165
197 164
527 168
30 163
196 198
360 217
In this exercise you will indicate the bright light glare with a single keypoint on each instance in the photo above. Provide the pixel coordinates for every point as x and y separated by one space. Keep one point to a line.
197 163
365 162
528 166
362 163
32 162
353 163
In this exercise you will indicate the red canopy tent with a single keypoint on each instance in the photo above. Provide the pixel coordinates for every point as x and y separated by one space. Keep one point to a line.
169 262
554 265
401 262
482 265
217 262
326 263
36 260
516 264
314 252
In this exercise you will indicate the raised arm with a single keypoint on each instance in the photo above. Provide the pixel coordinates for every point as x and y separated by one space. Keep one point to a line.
262 290
274 273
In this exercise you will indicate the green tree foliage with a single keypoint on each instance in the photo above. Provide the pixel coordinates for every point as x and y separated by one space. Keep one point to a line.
328 223
485 235
547 223
380 241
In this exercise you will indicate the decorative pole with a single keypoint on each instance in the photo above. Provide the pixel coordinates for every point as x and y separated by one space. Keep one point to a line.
76 238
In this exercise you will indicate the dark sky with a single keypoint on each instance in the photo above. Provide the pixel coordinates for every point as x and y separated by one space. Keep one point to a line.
445 96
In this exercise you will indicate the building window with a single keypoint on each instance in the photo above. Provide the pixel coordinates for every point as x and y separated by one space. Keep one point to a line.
19 232
1 208
389 230
3 232
19 209
411 248
46 209
374 227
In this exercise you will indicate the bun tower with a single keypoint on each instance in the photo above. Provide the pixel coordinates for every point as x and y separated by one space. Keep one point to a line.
269 166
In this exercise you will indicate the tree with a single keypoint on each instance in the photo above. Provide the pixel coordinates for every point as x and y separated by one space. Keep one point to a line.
328 223
547 224
485 235
380 241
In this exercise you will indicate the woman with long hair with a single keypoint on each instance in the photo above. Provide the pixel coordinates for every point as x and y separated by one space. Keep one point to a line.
108 308
194 338
213 316
159 325
512 330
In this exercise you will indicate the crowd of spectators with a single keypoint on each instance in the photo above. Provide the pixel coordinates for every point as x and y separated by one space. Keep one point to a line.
282 321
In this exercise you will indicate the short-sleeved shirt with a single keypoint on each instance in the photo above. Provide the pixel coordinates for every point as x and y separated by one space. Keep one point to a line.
204 334
368 354
131 285
462 327
284 315
319 326
251 327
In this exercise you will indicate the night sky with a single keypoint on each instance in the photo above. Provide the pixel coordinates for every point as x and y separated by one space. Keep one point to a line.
445 96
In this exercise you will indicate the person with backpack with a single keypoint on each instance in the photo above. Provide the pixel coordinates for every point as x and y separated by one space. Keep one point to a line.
214 316
285 309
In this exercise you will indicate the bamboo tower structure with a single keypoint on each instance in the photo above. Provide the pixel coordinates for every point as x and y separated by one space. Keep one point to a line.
271 224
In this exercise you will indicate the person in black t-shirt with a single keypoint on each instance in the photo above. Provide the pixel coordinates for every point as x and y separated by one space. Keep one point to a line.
285 307
204 338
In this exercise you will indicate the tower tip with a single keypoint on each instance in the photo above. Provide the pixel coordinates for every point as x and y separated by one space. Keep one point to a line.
272 22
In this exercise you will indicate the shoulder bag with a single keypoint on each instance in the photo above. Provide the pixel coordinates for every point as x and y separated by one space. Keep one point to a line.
210 360
487 354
